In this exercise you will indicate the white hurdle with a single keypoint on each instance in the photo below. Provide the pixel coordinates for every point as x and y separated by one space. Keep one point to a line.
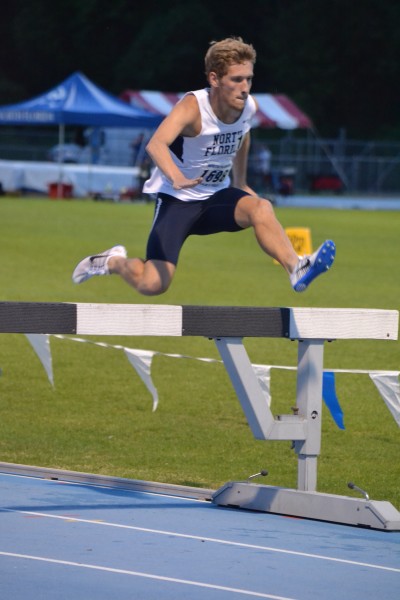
227 326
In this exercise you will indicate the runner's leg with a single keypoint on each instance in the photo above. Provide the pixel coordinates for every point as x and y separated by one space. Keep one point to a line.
258 213
150 278
171 225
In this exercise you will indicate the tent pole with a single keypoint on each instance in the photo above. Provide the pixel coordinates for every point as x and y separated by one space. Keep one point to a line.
61 140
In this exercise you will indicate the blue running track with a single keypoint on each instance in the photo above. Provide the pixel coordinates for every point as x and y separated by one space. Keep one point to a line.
78 541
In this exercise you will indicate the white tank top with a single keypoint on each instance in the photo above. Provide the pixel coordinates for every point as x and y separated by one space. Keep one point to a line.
208 155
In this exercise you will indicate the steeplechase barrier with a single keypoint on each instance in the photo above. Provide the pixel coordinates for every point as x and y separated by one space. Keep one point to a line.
227 326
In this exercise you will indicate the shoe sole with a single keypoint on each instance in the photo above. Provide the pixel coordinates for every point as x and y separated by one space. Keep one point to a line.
323 262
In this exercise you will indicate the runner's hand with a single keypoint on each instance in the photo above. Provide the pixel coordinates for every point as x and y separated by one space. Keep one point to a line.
182 183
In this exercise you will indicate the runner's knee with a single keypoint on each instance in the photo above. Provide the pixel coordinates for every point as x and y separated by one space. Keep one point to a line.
253 211
152 288
156 277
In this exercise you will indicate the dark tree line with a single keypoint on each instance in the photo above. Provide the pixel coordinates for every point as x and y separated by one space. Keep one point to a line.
338 59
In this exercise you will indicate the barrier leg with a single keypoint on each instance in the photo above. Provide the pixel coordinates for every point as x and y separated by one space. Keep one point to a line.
245 383
254 403
309 405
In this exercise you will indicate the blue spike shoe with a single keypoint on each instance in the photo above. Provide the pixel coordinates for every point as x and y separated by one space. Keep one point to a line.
310 267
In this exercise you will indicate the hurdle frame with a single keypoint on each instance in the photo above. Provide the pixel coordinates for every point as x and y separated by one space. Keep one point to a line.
228 326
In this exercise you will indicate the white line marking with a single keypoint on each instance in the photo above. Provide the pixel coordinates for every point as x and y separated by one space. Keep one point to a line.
146 575
207 539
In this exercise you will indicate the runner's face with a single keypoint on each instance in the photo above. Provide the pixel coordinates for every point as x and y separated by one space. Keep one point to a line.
235 85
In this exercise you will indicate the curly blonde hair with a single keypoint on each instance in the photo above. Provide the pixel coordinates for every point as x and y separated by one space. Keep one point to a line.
230 51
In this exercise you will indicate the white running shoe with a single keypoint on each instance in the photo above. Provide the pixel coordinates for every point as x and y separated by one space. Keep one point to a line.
309 267
96 264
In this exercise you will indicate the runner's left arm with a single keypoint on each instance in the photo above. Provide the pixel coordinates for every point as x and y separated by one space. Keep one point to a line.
239 169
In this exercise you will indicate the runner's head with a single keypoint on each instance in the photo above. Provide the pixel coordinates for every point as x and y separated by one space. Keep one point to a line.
230 51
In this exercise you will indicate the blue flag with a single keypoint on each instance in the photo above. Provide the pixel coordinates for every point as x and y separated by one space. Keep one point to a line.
330 398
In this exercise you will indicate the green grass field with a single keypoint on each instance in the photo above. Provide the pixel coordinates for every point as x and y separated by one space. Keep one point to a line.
99 417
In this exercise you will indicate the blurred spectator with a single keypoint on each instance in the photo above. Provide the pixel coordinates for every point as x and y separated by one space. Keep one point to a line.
144 174
261 167
138 149
96 138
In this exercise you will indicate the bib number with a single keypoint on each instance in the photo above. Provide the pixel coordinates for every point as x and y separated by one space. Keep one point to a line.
213 177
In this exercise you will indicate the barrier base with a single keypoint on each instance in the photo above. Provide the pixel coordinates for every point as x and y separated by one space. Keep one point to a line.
309 505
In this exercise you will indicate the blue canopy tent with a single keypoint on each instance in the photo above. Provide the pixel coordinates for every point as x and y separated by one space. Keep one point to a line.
77 101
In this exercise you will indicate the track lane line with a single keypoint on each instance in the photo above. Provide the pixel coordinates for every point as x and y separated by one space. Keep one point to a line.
146 576
207 539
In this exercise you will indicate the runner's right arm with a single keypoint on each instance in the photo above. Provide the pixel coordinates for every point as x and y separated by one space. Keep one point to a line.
184 119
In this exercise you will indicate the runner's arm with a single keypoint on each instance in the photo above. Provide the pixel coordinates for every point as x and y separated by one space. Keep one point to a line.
184 119
239 169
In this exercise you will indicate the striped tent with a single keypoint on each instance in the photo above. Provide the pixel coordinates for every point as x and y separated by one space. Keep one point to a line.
275 110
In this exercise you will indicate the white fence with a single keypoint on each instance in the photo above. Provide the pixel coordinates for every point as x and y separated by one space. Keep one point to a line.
336 165
297 164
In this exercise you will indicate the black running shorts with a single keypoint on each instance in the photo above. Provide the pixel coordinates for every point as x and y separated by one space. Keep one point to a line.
175 220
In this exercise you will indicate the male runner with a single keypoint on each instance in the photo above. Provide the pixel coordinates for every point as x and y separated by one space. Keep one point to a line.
200 151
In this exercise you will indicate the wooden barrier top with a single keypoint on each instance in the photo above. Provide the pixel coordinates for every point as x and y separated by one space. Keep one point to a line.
204 321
